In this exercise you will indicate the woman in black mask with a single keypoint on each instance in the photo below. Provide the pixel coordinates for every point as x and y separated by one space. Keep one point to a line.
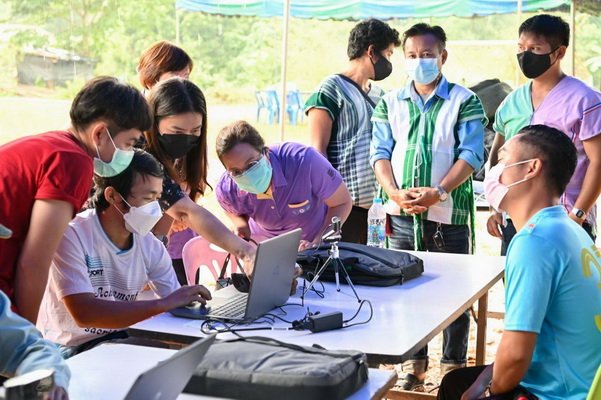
178 139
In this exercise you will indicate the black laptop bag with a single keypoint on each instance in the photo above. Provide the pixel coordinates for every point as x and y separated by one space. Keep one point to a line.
263 369
365 265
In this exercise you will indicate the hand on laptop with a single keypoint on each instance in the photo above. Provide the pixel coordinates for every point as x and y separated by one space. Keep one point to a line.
305 244
187 295
298 271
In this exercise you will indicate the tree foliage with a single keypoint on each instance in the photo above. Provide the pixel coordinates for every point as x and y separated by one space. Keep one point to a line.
235 55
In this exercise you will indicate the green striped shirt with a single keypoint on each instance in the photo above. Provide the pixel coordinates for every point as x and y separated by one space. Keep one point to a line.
423 142
348 149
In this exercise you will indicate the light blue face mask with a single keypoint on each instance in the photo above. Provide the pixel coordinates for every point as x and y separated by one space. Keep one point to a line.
422 70
256 179
120 161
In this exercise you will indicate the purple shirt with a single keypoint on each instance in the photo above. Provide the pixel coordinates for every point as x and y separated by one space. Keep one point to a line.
177 240
575 109
301 182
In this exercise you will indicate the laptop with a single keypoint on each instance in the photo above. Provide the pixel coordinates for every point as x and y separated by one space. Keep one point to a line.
168 378
269 283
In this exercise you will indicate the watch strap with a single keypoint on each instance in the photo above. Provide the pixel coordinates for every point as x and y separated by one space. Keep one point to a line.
580 214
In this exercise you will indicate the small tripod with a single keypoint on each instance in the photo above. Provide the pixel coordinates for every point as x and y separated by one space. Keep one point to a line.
333 237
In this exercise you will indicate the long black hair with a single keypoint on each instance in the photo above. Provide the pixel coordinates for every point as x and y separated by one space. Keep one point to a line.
172 97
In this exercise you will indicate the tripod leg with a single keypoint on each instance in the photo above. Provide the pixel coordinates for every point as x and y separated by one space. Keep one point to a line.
337 276
348 279
316 277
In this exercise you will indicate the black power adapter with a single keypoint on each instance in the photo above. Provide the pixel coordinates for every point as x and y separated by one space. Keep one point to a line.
324 322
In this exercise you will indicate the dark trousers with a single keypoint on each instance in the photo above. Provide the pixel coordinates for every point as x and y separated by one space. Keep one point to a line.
459 380
509 232
455 239
354 229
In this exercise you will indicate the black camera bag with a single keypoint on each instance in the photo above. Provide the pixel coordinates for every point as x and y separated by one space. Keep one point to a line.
365 265
262 368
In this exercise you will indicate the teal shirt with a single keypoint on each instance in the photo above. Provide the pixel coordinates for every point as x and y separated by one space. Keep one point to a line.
553 278
515 112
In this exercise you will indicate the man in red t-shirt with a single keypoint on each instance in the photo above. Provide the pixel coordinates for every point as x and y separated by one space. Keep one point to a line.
45 179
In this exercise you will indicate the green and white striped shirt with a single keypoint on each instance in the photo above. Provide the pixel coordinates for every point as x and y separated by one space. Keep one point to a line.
348 149
423 140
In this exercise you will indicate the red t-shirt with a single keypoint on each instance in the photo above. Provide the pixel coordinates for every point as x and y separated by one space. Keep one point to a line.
50 166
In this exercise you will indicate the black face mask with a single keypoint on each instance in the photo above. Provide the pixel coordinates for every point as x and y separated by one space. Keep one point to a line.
534 65
382 68
178 145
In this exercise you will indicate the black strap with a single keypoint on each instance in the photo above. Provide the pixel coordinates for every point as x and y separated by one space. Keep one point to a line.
352 82
229 256
315 349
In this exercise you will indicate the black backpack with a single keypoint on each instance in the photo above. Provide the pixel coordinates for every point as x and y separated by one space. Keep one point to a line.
365 265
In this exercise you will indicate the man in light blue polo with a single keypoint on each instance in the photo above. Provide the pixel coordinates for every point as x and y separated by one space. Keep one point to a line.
428 138
551 343
270 191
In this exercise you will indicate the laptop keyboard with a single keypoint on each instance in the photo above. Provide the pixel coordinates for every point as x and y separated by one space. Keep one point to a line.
235 307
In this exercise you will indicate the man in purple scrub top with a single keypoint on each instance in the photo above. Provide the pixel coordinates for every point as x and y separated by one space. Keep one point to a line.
558 100
267 191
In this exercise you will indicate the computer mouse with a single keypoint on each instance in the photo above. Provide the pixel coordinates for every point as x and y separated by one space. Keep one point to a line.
198 307
194 310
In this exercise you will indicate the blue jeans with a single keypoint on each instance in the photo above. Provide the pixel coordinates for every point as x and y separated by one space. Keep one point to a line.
455 239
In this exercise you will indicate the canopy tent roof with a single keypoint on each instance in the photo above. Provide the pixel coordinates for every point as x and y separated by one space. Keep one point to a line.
357 10
361 9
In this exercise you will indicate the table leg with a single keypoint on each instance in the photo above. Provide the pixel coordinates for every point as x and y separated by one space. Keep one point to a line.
481 329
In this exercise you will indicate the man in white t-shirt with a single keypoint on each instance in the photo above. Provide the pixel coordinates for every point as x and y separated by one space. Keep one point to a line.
105 260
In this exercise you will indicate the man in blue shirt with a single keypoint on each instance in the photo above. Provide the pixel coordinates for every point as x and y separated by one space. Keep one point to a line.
23 350
550 346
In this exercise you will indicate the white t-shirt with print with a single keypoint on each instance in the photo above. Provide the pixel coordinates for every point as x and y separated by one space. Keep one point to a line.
88 262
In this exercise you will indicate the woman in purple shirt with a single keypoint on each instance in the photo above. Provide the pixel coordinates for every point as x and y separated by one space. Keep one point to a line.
267 191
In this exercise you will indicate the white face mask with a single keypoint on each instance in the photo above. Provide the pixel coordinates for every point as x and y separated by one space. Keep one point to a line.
141 220
494 190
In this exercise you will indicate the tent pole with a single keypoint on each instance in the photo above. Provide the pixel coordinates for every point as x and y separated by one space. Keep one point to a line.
573 35
284 66
519 16
177 33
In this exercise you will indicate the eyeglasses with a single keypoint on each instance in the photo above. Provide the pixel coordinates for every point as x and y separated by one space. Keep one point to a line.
238 173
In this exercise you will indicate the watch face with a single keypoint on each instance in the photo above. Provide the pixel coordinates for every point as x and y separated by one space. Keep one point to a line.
579 214
442 195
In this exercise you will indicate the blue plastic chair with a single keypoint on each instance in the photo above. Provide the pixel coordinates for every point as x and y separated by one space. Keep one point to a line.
261 104
294 106
273 106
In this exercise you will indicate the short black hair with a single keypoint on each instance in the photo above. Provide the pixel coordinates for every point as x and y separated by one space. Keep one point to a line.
143 164
422 29
119 104
371 32
556 151
554 29
236 133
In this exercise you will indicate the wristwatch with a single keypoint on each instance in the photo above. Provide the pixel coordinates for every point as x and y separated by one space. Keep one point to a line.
442 194
580 214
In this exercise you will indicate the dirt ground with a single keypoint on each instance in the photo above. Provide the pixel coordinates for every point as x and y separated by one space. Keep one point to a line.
493 336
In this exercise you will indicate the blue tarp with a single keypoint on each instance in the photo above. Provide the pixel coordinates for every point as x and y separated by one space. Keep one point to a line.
361 9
